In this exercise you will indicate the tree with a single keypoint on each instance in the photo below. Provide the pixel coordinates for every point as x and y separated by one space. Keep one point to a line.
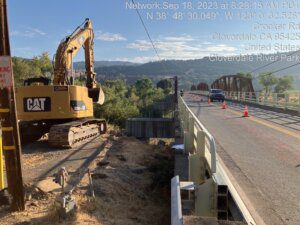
193 88
268 80
166 85
118 86
22 70
144 87
284 83
132 96
44 63
36 67
117 108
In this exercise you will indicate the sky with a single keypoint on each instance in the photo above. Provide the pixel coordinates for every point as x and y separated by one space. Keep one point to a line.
37 26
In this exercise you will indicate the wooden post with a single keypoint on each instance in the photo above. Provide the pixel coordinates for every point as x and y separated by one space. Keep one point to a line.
10 128
176 90
1 162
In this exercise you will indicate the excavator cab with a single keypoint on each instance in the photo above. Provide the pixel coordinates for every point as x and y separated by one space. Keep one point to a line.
37 80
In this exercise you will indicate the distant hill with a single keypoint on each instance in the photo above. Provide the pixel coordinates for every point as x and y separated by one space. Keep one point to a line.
81 64
195 71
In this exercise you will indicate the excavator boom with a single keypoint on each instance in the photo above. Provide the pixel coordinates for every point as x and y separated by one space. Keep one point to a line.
83 36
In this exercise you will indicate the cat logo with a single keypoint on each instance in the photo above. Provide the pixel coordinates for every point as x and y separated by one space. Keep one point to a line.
41 104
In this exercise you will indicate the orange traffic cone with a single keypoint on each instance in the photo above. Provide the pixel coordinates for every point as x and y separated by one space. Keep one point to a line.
208 101
224 105
246 113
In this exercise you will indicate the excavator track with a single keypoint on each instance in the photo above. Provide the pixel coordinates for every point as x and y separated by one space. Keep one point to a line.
67 135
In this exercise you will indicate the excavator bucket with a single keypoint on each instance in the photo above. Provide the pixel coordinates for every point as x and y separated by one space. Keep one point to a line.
97 95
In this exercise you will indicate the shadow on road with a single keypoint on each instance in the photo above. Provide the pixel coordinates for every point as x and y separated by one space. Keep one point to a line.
76 162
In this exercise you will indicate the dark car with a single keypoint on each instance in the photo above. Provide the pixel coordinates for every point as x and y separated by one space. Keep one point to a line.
216 94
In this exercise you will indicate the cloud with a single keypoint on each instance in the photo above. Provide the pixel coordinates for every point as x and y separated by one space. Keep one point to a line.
141 45
180 38
29 32
139 59
106 36
182 47
206 43
221 48
36 31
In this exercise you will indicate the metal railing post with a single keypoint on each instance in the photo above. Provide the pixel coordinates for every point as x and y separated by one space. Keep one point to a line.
186 119
176 210
274 99
286 98
299 105
191 135
200 143
213 155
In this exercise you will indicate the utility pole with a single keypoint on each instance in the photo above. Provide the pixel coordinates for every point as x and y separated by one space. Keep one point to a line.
8 117
176 90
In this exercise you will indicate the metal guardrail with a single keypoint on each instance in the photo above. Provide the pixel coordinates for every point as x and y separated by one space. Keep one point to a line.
283 101
176 217
198 141
196 128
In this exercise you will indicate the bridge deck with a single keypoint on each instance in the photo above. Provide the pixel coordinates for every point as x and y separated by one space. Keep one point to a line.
262 154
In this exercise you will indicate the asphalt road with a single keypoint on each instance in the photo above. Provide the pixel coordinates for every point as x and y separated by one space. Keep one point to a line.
263 154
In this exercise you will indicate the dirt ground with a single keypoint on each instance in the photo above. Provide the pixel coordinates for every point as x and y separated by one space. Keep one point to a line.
130 181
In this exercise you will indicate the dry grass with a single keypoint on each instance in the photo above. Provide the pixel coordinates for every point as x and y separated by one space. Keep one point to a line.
125 187
127 196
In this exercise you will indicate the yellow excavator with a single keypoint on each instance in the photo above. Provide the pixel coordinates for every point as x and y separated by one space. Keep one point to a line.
62 109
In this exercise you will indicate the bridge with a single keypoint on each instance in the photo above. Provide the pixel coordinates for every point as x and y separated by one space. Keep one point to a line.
233 83
241 169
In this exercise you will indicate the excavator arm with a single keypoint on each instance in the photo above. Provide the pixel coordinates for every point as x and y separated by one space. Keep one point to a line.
83 36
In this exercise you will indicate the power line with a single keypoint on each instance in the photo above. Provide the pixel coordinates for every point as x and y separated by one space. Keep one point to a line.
147 32
152 43
261 67
286 67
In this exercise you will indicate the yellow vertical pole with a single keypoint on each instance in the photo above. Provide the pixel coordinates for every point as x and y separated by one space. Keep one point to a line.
1 163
